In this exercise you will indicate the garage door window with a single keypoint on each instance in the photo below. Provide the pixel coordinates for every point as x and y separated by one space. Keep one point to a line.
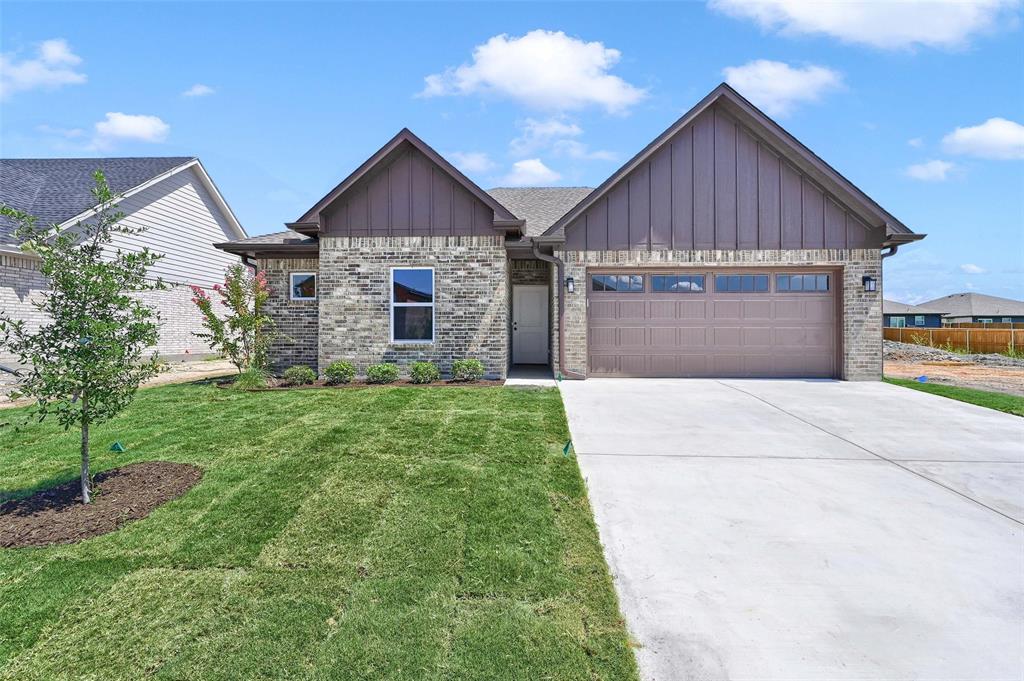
741 283
620 283
678 283
802 283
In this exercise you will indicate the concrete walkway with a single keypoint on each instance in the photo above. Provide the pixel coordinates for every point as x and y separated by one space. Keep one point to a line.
807 529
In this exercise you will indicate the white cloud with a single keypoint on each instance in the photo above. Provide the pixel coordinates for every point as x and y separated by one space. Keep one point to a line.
886 25
916 142
580 151
69 133
138 127
556 135
971 268
930 171
543 69
198 90
471 161
530 172
996 138
778 87
53 66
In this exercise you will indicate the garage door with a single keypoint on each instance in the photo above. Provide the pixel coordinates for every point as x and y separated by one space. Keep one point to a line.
780 323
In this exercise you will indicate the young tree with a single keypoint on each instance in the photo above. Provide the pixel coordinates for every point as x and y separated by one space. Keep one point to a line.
85 362
246 332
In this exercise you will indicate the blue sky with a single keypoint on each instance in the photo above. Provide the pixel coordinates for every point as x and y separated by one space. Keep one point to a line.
919 104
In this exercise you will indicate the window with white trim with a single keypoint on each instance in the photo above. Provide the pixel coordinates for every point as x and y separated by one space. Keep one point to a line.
897 322
302 285
919 320
412 305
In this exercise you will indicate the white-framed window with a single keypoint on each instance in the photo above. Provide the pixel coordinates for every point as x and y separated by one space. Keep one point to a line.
412 304
897 322
984 320
919 320
1007 320
302 285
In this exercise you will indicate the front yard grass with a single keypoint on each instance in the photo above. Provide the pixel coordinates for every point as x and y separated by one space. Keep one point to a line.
378 533
1011 404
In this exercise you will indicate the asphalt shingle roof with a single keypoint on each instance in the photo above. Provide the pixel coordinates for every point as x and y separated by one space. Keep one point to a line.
539 206
977 304
894 307
276 238
57 189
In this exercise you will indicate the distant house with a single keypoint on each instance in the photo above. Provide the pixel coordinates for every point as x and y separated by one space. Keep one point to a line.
978 308
902 315
174 198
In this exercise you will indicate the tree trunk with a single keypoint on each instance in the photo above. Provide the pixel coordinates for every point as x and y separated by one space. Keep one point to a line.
85 454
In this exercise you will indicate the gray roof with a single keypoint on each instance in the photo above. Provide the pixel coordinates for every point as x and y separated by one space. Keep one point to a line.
894 307
977 305
539 206
57 189
275 239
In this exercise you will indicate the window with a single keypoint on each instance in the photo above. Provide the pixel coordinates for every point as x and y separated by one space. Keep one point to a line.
1007 320
678 283
620 283
897 322
919 320
302 285
412 305
813 283
984 321
741 283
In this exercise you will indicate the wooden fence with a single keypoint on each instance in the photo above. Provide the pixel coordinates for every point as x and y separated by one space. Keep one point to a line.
969 340
991 325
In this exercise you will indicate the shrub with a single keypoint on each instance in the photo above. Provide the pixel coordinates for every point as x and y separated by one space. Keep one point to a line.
299 375
250 379
467 370
424 372
381 373
339 372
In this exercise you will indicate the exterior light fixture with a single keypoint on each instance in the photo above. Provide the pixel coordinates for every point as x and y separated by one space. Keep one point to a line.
870 284
570 284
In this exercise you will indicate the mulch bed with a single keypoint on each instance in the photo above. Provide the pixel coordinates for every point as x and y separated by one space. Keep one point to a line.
58 516
279 384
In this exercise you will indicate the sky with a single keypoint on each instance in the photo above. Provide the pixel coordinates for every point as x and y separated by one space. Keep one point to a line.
920 104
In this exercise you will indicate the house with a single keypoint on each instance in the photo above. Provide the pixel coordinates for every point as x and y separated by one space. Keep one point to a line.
172 197
978 308
901 315
723 248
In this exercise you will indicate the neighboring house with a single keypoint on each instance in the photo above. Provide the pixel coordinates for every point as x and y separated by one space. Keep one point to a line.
901 315
174 198
962 308
724 248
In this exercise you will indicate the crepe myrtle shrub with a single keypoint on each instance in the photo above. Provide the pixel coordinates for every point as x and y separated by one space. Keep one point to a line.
299 375
467 370
424 372
246 331
382 373
84 363
339 372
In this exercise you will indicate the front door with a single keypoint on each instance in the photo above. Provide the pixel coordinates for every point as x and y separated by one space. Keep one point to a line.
529 324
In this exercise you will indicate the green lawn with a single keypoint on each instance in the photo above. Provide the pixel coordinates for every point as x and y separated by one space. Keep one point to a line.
380 533
1011 404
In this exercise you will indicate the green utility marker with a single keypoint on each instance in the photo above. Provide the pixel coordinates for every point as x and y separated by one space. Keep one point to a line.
118 447
566 448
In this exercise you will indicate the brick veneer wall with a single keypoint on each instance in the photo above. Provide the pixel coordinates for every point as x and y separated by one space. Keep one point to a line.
298 321
861 322
21 284
471 279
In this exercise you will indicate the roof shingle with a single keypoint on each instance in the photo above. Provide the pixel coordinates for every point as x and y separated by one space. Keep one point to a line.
539 206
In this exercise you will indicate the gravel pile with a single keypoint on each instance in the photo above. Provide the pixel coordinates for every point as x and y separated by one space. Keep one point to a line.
908 352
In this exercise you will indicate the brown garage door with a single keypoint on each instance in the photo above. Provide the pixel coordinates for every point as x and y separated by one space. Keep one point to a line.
779 323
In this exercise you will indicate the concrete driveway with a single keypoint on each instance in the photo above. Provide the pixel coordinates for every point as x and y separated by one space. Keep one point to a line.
812 530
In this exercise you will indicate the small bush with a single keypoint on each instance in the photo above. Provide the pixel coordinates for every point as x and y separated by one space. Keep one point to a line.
381 373
339 372
299 375
467 370
424 372
251 379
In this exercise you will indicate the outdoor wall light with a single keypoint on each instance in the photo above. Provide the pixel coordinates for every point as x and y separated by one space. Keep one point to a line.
570 285
870 284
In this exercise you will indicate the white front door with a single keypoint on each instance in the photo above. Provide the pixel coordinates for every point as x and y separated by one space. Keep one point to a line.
529 324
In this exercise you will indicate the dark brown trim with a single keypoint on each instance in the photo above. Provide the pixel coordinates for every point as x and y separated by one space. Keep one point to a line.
406 136
307 228
270 250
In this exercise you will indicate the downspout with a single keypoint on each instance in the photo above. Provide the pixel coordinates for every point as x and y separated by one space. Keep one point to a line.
560 267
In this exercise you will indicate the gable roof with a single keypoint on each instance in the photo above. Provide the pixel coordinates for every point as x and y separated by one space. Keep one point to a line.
58 190
765 128
977 305
894 307
540 207
286 241
502 215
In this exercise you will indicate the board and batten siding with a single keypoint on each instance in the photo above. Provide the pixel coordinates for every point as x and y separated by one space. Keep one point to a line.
717 186
182 223
408 195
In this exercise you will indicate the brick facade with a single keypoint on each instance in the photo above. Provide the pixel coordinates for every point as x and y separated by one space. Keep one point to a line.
471 279
861 313
298 321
